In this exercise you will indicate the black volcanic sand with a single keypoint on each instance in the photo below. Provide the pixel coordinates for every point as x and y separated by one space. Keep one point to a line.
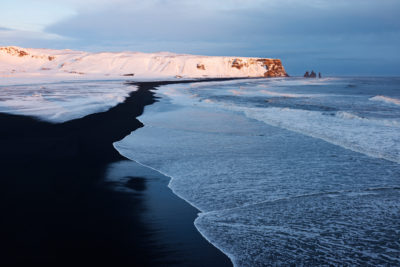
67 197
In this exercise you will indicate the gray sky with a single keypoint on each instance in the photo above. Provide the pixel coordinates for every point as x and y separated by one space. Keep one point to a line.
352 37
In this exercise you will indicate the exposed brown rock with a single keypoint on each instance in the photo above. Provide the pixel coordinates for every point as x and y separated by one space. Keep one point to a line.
201 67
274 67
14 51
239 63
22 53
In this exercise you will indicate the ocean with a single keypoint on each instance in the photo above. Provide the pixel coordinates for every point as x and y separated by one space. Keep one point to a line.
283 171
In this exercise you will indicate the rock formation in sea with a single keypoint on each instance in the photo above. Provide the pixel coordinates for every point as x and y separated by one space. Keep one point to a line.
313 74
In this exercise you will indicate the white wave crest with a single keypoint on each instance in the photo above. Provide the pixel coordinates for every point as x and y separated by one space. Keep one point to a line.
271 93
386 99
351 116
372 137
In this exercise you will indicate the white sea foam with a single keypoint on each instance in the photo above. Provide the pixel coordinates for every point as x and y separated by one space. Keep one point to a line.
376 137
369 136
271 93
249 87
59 102
372 121
290 231
268 195
386 99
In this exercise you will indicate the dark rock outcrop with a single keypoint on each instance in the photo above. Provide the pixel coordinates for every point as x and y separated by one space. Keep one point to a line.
313 74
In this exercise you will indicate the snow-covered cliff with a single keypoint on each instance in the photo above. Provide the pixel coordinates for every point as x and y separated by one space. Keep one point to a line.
28 62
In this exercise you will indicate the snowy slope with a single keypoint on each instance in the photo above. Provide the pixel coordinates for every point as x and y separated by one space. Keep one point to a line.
16 62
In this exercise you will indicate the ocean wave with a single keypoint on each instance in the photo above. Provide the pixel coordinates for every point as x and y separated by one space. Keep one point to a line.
372 137
243 91
271 93
386 99
375 137
352 116
255 185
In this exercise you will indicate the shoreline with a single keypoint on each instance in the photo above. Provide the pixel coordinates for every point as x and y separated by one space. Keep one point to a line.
57 208
248 175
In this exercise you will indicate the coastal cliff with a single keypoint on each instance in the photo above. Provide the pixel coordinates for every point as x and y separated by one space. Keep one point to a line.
23 62
274 68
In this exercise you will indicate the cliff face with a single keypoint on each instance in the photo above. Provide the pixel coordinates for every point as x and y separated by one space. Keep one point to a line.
46 62
274 68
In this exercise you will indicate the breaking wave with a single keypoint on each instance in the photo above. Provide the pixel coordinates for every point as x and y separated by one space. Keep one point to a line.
368 136
272 196
386 99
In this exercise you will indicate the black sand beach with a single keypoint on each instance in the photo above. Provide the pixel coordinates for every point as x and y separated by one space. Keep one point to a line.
57 208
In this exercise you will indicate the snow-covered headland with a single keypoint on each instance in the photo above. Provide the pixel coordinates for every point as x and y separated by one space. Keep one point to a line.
28 64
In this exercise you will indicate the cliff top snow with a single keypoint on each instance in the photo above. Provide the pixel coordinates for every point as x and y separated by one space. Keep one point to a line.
25 64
